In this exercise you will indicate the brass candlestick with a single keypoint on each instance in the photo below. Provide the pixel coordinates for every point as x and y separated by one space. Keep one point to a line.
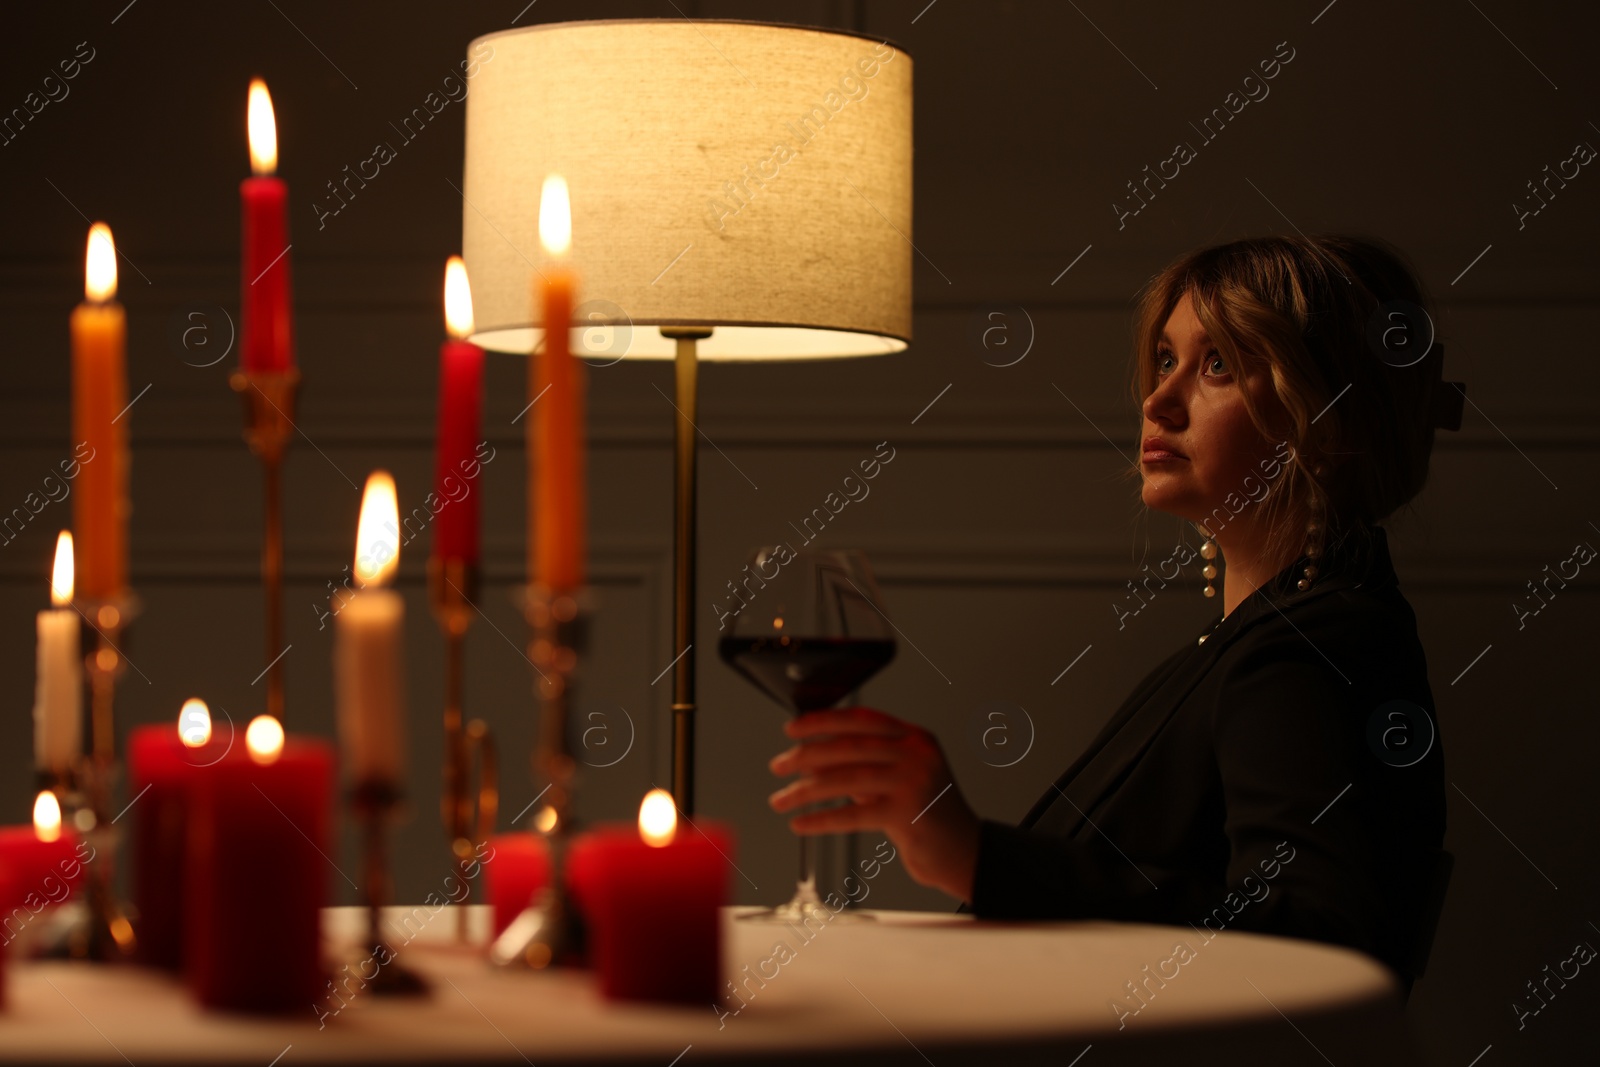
375 804
63 783
268 425
548 932
468 818
105 934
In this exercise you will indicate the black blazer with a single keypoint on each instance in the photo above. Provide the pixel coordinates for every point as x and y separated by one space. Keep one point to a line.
1253 780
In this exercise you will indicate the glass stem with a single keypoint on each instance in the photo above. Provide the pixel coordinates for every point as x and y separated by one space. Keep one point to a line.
808 864
806 901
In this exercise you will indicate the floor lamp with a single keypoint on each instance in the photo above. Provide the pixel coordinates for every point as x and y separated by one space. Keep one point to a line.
740 191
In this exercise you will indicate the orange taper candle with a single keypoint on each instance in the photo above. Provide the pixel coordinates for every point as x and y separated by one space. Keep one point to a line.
100 421
556 388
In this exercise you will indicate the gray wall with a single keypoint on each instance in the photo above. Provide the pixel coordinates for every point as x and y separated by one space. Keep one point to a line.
1002 530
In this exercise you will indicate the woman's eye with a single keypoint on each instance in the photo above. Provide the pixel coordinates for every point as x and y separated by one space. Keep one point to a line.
1212 360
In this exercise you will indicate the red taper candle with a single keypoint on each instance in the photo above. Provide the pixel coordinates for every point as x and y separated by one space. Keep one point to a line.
266 341
556 422
100 419
456 466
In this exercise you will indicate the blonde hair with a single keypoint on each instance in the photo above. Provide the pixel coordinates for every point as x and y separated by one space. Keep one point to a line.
1302 310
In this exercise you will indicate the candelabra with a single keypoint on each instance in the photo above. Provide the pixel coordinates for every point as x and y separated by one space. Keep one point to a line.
268 425
104 934
468 819
549 931
375 803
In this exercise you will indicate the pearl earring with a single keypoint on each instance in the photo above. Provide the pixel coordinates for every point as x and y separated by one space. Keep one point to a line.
1208 550
1312 553
1313 549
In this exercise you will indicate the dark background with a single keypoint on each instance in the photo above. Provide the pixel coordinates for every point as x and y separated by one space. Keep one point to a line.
1003 530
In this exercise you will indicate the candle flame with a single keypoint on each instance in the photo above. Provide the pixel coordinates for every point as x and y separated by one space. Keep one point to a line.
457 299
264 739
47 816
377 531
61 574
263 129
544 820
194 723
100 264
555 216
658 818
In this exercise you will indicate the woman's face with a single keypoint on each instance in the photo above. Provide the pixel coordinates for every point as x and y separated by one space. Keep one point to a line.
1197 408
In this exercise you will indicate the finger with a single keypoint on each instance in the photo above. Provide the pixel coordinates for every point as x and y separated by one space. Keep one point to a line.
843 820
855 780
844 721
822 755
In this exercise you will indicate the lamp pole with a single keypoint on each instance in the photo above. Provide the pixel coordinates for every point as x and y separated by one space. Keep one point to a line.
683 567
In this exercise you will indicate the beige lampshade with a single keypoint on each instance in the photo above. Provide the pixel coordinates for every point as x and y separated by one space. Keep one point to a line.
750 177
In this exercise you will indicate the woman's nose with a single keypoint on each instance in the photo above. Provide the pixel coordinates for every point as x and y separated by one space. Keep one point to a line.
1165 404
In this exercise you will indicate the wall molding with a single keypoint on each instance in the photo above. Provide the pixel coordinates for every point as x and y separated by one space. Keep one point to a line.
618 421
1031 563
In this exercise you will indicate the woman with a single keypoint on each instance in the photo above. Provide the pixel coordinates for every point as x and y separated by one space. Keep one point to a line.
1259 778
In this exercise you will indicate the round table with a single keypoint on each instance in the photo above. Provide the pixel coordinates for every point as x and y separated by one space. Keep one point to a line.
903 987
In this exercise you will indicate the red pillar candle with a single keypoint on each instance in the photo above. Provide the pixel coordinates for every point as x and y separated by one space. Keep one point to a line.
456 466
6 893
266 341
517 868
556 388
578 870
163 762
45 864
652 898
256 873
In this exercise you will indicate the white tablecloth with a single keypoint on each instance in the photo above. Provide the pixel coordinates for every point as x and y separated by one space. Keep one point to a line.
910 987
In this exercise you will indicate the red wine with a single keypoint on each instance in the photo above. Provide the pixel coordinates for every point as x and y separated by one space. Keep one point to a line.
807 673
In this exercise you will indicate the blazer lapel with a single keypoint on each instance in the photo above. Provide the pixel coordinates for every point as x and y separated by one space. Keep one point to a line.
1129 708
1077 792
1095 774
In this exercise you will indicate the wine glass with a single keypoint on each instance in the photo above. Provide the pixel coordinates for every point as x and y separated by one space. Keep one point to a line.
807 630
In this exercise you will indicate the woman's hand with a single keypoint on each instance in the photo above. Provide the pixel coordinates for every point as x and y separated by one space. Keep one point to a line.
897 779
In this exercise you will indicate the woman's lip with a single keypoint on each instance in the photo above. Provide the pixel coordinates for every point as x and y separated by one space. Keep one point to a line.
1157 455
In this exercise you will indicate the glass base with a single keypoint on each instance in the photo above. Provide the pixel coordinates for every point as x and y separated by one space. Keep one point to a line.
806 905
